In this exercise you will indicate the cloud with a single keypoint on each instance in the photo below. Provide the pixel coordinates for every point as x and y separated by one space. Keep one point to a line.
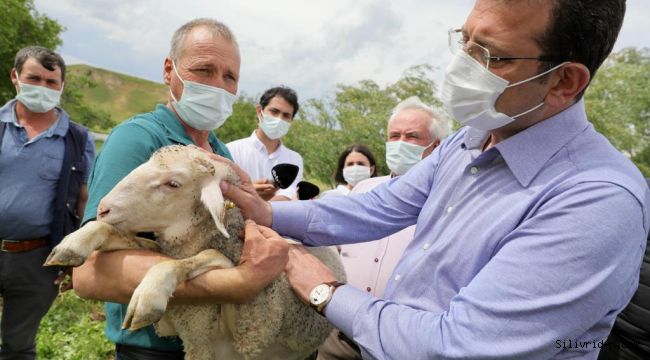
73 60
308 45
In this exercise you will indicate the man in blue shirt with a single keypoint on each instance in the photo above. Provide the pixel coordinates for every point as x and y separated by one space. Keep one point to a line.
44 163
530 226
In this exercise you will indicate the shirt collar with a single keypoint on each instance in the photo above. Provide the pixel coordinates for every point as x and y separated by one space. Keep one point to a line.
175 130
260 146
59 128
528 151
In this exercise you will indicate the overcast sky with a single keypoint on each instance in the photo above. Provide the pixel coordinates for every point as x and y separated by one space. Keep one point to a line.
308 45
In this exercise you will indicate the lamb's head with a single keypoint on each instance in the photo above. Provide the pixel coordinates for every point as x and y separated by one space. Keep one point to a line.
176 189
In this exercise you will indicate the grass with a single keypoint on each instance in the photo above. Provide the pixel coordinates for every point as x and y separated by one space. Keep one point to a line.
73 329
121 95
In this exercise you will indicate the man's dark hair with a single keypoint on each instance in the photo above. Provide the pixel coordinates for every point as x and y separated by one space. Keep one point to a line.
288 94
360 148
46 57
583 31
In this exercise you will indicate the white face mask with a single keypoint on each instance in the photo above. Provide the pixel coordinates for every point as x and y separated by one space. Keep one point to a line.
470 91
38 99
355 174
401 156
202 107
273 127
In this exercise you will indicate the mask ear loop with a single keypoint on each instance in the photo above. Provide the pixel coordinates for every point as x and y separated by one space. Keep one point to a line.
176 71
538 75
533 78
529 110
179 78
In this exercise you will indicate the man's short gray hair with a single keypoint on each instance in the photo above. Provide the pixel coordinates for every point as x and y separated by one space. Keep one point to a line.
217 28
439 126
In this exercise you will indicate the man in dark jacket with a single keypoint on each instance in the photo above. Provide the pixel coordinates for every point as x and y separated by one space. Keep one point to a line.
44 163
630 337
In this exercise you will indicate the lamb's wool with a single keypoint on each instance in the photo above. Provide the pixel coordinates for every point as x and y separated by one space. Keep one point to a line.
275 324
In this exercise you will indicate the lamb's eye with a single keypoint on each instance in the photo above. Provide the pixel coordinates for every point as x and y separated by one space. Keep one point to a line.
173 184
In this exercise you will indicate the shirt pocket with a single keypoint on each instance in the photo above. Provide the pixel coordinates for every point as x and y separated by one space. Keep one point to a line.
50 168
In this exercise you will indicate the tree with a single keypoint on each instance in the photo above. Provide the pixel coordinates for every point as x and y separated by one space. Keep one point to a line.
618 103
241 123
72 101
356 114
22 26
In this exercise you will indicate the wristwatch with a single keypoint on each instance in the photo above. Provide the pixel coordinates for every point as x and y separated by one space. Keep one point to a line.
321 295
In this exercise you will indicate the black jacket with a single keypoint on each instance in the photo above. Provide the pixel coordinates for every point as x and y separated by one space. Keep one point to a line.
633 323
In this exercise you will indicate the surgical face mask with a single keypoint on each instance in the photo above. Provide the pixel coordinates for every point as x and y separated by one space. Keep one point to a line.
202 107
273 127
355 174
470 91
401 156
38 99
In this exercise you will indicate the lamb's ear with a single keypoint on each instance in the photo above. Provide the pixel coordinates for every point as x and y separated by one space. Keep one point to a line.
212 198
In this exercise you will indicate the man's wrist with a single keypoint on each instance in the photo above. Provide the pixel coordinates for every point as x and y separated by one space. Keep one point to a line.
321 295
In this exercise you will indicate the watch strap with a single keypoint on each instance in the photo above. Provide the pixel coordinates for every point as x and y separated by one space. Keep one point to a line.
333 285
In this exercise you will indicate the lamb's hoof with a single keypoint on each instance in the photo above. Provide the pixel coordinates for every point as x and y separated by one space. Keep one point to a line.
64 257
138 321
145 308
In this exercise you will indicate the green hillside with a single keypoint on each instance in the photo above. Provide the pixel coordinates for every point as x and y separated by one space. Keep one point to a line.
120 95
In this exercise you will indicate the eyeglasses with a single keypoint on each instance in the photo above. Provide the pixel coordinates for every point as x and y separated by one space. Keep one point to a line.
481 53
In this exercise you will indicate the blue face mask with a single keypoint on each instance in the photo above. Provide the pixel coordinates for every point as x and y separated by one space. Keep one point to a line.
401 156
356 173
470 91
38 99
273 127
203 107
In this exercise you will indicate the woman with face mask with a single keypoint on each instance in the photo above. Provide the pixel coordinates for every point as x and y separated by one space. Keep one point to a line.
356 163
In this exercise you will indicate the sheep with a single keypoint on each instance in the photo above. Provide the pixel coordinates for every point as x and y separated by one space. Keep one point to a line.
176 194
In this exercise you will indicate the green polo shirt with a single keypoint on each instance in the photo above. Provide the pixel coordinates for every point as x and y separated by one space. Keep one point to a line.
129 145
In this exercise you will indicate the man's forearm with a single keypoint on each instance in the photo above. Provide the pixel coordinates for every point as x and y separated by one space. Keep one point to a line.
114 275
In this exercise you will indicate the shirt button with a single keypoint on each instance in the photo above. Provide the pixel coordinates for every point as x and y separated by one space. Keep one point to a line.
397 277
368 289
426 246
450 209
376 260
473 170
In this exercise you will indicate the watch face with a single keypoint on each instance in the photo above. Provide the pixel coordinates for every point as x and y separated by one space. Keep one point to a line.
319 294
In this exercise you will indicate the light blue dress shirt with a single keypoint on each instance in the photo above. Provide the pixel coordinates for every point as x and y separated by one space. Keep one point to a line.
525 251
29 174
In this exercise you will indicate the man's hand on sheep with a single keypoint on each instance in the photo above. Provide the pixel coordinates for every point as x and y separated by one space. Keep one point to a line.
265 189
245 196
265 254
305 272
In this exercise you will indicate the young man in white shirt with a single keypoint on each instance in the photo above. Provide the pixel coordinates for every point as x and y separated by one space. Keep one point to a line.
260 152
